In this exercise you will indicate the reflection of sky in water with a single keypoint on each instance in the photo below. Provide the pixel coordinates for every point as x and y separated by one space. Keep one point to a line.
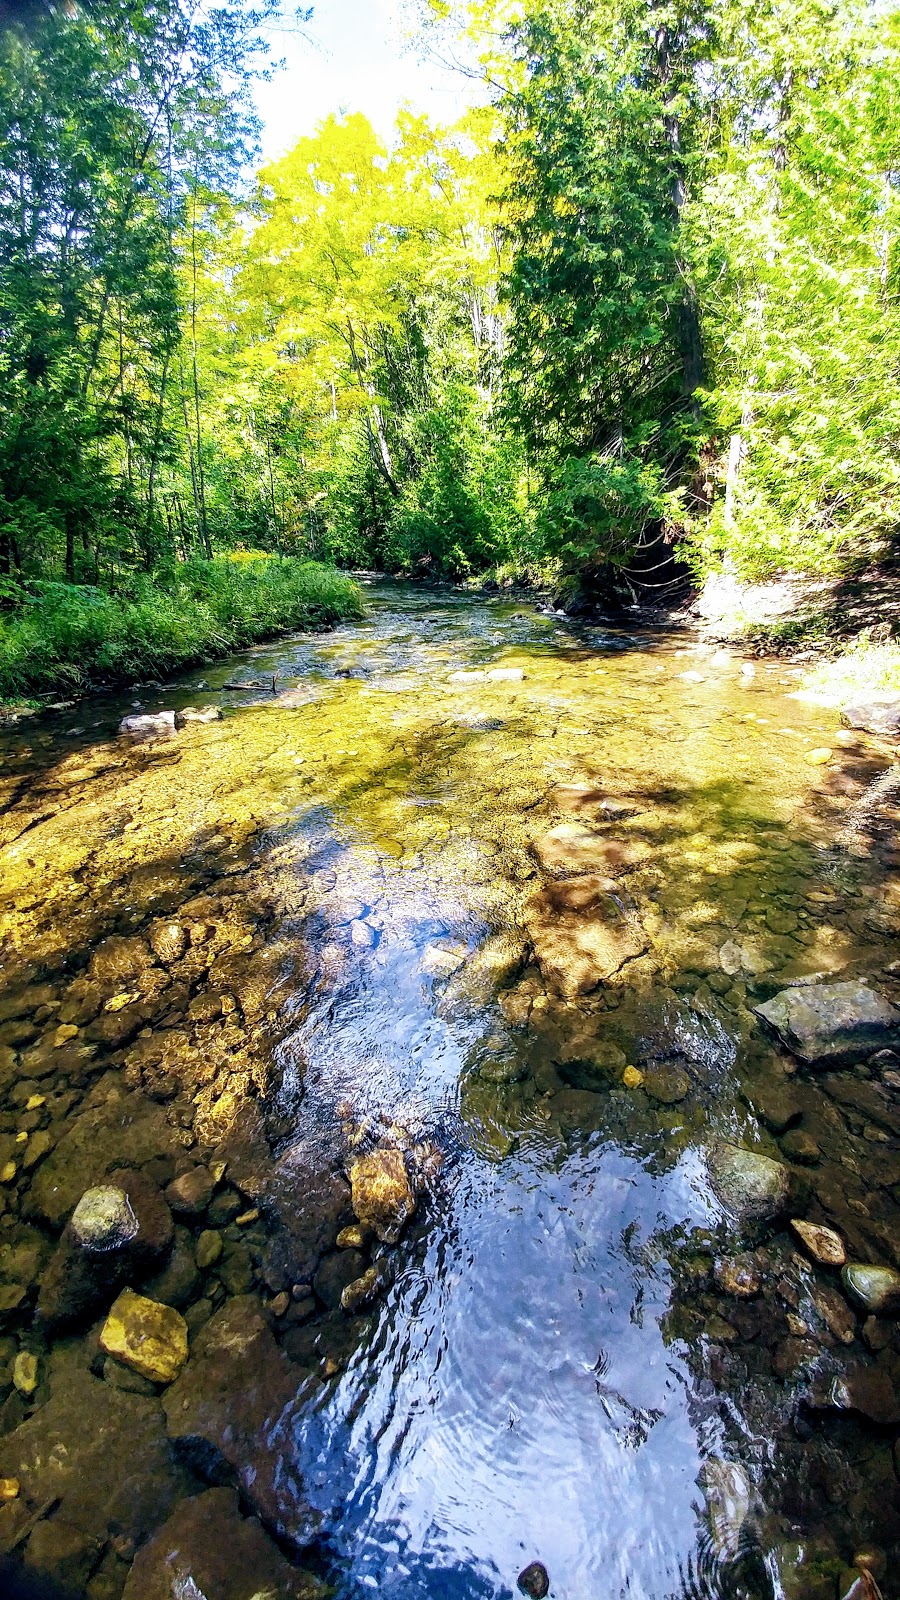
513 1399
516 1400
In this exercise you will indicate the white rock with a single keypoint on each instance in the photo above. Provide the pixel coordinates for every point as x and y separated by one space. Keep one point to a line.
148 726
197 714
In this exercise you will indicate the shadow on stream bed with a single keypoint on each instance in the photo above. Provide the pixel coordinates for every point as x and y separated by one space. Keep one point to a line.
496 945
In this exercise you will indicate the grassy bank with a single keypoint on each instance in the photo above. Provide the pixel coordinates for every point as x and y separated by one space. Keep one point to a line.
58 638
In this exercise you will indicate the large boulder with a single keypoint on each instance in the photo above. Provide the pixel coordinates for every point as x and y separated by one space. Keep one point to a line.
874 713
832 1022
103 1454
118 1230
232 1412
208 1548
754 1190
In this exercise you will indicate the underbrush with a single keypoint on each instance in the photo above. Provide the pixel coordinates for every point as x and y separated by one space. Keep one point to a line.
67 638
865 666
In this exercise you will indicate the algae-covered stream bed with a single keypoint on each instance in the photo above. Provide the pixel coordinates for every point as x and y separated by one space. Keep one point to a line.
397 1179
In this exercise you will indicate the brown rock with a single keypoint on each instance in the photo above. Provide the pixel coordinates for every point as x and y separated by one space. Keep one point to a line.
233 1411
570 849
381 1194
823 1243
580 947
190 1194
103 1454
208 1548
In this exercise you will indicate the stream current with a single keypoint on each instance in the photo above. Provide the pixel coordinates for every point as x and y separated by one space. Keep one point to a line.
512 927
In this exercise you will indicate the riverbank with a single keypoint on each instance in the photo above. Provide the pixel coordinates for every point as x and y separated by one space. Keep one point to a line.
67 640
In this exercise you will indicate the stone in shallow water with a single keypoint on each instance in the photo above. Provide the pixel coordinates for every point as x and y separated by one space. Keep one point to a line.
875 1289
831 1022
150 1338
361 1292
114 1234
739 1275
381 1195
232 1412
755 1189
668 1085
103 1219
120 1130
534 1580
867 1390
102 1453
208 1548
580 935
570 849
823 1244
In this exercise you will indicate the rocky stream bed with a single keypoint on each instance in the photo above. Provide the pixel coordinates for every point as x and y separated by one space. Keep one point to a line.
449 1125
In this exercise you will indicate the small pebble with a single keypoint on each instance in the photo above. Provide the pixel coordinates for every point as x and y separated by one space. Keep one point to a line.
9 1488
25 1372
280 1304
246 1217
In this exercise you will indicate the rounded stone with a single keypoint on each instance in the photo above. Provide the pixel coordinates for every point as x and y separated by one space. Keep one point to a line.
875 1289
534 1580
668 1085
104 1219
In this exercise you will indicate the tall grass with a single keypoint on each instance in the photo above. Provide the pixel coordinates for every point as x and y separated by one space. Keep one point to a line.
65 638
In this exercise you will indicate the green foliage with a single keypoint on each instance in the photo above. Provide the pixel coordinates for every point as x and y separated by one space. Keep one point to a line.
68 638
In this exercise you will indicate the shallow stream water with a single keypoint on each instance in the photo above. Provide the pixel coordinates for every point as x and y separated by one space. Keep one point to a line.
513 928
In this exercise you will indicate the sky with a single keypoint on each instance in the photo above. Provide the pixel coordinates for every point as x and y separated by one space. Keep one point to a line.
355 56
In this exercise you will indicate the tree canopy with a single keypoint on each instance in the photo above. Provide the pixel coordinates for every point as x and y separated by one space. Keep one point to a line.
651 288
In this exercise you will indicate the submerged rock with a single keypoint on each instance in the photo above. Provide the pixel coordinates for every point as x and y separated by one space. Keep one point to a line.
361 1291
148 1337
668 1085
728 1492
570 850
874 1289
208 1548
231 1412
381 1195
120 1130
102 1454
580 935
823 1244
116 1232
753 1188
831 1022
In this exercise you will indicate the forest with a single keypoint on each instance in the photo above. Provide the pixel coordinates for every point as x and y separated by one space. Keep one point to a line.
645 297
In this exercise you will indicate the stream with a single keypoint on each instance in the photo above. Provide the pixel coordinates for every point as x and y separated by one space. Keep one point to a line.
479 901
